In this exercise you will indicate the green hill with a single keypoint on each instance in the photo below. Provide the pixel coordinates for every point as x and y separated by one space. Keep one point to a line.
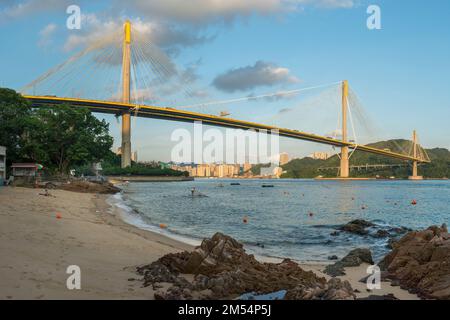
309 168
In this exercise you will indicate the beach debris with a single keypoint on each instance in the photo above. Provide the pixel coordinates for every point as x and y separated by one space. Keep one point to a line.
163 226
245 219
389 296
46 194
311 214
355 258
222 269
58 215
420 262
279 295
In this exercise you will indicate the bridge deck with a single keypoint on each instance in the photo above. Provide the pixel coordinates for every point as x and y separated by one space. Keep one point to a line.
118 108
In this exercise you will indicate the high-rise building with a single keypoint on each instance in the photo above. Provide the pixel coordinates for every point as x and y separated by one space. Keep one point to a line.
284 158
134 156
247 167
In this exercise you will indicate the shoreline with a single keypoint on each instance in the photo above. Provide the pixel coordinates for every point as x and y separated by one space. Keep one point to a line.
38 247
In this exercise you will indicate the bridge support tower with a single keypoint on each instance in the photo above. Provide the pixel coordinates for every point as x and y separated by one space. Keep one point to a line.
126 116
415 175
345 167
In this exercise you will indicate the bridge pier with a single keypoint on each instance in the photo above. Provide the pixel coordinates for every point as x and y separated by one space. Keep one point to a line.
126 116
415 175
345 162
126 140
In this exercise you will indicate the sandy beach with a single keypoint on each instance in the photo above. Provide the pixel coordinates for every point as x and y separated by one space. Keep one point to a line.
37 247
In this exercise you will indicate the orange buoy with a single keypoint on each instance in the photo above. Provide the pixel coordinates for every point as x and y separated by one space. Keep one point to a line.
58 215
163 226
414 202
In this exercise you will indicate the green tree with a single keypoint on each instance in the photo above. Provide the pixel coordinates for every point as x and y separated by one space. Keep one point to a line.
71 136
15 113
58 137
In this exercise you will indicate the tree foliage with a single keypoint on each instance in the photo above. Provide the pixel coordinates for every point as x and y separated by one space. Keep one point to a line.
309 168
58 137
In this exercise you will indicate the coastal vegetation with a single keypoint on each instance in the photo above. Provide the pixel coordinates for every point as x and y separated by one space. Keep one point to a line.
62 138
311 168
56 137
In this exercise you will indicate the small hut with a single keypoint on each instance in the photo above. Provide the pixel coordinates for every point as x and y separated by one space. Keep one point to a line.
26 169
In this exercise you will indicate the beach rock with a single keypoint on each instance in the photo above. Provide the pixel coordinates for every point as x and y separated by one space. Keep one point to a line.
354 259
357 227
333 257
223 270
381 234
420 263
335 289
90 187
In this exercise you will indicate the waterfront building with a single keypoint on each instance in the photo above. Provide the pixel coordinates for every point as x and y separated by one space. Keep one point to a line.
284 158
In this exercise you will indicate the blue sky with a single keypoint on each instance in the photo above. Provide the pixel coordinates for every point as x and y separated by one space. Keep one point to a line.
401 72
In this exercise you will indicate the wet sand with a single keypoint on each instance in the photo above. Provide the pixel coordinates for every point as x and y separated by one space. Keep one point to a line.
36 248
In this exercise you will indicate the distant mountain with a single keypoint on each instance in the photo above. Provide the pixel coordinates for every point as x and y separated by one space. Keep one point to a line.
309 168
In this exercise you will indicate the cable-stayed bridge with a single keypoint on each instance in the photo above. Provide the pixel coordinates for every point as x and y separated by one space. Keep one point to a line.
135 58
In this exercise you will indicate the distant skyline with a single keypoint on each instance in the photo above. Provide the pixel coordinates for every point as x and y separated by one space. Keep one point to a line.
234 49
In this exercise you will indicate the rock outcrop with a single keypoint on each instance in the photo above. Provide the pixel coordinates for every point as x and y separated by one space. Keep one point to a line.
90 187
354 259
357 227
222 269
420 263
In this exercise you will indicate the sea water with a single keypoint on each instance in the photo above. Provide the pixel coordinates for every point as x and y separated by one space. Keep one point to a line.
295 219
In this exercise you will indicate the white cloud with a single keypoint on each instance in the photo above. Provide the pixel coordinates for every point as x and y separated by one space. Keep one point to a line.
46 34
162 35
207 11
13 9
249 77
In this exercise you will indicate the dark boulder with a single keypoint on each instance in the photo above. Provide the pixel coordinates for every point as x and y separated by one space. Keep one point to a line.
420 263
354 259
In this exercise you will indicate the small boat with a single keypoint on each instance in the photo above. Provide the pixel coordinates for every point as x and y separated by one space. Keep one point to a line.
235 184
268 186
